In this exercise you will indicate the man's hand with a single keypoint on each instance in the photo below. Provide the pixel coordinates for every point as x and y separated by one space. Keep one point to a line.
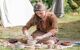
26 33
39 38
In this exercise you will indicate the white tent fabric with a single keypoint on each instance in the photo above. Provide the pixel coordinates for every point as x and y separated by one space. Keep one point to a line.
15 12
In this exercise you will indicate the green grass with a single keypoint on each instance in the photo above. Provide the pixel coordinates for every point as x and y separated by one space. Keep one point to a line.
71 48
69 27
4 48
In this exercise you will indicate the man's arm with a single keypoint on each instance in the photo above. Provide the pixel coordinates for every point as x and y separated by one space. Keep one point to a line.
30 23
54 25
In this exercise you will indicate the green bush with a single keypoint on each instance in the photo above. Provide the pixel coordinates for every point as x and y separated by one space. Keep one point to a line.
78 10
67 9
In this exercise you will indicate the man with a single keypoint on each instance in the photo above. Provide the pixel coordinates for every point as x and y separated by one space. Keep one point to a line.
46 25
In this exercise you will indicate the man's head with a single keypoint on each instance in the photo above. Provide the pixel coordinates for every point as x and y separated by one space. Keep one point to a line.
39 9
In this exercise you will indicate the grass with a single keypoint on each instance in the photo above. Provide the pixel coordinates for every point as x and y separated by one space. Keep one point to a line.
71 48
4 48
69 26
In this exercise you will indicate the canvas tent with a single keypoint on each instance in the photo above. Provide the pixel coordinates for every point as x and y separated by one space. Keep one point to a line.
15 12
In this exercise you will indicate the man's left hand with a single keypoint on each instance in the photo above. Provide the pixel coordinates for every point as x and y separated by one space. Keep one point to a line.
39 38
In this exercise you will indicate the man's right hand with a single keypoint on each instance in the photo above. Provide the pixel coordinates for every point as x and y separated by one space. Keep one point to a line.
26 33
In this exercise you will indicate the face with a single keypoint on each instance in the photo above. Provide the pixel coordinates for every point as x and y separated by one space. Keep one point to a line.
41 14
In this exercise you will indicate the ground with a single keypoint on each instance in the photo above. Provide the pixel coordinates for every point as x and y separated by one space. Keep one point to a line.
69 29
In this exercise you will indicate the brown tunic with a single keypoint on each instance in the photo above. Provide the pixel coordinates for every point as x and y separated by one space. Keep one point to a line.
45 25
48 24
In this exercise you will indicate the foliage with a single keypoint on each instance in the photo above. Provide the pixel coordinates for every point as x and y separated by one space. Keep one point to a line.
48 3
67 9
77 1
74 6
78 10
69 5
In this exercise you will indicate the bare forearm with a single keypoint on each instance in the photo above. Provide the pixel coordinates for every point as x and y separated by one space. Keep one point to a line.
47 35
50 33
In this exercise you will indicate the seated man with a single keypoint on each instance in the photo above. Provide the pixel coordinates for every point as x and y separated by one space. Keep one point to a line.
46 25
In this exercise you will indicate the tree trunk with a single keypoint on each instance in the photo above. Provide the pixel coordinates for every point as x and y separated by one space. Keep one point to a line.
58 8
